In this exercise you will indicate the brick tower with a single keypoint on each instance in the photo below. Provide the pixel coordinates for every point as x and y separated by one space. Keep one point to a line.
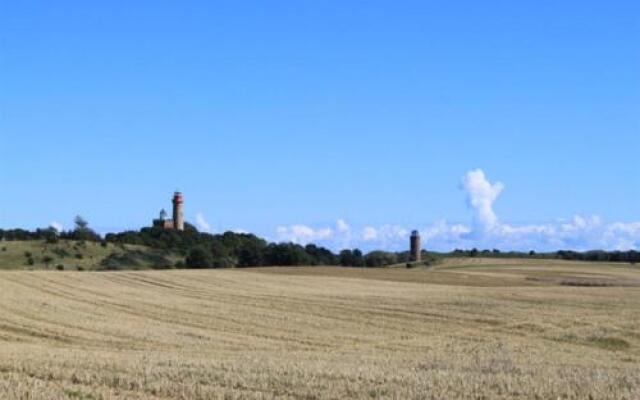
178 213
416 247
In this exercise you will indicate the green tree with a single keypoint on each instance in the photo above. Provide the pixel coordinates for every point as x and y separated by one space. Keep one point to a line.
346 258
81 223
380 259
287 254
218 248
250 256
358 258
50 234
199 257
351 258
321 256
82 231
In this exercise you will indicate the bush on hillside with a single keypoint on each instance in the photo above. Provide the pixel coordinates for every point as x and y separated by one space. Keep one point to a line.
60 252
199 257
136 259
47 260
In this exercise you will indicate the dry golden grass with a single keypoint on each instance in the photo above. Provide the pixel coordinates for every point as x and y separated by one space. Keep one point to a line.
489 330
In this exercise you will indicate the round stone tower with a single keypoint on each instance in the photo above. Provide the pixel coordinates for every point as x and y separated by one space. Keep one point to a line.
416 246
178 213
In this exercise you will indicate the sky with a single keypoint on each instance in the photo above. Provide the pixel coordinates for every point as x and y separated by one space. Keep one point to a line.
494 124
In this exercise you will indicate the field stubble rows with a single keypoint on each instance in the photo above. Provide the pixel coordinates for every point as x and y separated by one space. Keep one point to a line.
319 333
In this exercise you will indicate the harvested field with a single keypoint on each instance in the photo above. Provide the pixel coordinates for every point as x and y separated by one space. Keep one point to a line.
486 330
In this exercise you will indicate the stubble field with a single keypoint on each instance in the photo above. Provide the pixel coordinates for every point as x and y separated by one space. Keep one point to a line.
465 329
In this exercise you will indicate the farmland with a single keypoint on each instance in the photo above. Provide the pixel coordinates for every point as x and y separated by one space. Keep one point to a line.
468 328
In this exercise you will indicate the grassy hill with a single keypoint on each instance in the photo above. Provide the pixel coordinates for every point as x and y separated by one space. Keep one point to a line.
76 255
489 329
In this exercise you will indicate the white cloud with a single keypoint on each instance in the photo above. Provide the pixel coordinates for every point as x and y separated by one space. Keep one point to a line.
57 226
486 232
369 233
442 229
384 235
302 234
623 236
342 226
202 223
390 233
340 237
344 236
580 233
480 196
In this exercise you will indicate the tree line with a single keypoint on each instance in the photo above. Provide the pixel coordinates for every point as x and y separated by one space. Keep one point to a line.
230 249
81 232
630 256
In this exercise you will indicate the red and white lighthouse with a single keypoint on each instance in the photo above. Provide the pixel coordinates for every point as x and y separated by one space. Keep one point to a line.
178 213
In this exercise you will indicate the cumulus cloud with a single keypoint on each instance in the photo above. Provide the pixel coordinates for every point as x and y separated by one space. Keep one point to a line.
342 226
486 231
577 233
202 223
441 230
369 233
57 226
481 194
343 236
302 234
385 234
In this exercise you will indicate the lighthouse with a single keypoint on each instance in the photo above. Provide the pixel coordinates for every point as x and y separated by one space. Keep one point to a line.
178 212
416 246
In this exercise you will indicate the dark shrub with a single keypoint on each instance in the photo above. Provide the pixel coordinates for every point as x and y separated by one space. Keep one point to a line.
136 259
380 259
199 257
60 252
47 260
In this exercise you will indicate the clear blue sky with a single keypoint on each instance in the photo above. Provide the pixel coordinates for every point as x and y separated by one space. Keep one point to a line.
273 114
